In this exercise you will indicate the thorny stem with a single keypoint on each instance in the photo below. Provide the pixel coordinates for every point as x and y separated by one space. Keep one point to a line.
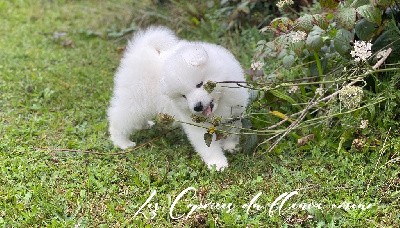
246 84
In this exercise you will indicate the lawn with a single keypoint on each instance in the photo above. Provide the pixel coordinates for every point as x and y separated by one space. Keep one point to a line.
59 169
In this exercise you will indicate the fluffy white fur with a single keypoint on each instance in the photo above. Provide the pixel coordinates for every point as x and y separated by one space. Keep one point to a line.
160 73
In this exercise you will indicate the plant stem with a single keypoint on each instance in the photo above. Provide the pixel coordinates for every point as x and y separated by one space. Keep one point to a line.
319 66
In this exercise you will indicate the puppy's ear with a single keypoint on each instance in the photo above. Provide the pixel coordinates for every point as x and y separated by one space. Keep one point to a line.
194 55
169 90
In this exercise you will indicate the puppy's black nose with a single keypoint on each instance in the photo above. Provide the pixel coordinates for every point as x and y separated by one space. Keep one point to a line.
198 107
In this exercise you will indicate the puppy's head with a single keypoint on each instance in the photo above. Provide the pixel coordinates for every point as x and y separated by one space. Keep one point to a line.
184 74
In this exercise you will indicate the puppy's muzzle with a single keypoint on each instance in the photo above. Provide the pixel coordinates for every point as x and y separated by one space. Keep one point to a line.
198 107
206 110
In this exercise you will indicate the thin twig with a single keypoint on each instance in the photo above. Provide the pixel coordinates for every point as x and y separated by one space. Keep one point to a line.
102 153
293 125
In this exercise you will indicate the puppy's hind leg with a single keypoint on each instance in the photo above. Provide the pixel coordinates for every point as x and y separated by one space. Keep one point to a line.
122 125
120 138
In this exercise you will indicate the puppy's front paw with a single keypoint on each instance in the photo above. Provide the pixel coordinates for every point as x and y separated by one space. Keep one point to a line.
124 144
219 165
128 145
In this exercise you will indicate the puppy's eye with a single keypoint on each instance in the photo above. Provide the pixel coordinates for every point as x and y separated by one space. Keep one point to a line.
183 96
199 85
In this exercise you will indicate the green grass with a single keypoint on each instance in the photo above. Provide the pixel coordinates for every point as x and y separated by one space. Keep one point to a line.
54 93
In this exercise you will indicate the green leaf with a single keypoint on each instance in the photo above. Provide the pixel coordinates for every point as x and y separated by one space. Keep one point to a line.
330 4
357 3
389 38
346 18
250 143
365 30
383 4
342 41
298 47
314 42
208 138
283 96
246 123
288 61
371 13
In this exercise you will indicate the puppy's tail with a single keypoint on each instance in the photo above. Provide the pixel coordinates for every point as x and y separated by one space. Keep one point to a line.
157 37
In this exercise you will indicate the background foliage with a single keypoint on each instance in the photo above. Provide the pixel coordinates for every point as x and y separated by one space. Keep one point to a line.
317 68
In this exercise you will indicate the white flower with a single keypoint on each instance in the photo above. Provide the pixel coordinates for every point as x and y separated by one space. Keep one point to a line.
362 51
364 124
283 3
257 65
351 96
293 89
298 36
319 91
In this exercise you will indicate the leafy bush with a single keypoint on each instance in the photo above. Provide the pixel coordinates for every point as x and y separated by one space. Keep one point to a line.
329 72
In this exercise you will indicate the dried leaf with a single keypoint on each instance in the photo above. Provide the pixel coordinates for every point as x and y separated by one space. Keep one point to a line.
304 140
68 43
209 86
281 115
198 119
282 24
219 135
165 119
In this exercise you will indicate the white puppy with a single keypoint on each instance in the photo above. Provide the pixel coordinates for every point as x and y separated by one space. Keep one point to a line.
160 73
